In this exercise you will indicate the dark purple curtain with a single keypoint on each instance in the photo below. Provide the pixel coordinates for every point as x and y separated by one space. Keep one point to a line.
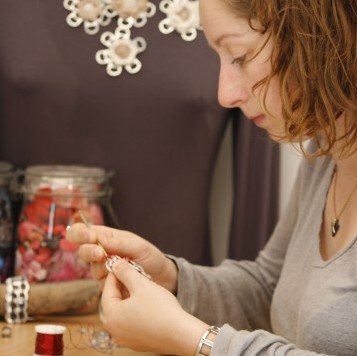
159 130
256 189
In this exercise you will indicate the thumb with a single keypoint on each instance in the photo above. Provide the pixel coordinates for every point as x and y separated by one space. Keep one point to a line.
127 275
112 288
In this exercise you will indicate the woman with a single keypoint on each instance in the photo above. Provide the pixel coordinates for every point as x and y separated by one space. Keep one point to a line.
291 66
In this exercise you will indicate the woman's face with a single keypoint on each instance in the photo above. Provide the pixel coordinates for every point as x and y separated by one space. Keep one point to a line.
236 44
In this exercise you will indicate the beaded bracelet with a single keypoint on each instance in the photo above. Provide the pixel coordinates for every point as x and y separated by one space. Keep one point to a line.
16 300
205 345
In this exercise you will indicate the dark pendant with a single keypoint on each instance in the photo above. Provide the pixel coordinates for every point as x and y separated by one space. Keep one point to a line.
334 227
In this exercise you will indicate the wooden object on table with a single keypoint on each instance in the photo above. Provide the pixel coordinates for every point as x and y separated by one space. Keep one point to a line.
76 343
59 297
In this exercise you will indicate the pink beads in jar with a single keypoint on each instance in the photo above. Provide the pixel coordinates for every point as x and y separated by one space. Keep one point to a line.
52 199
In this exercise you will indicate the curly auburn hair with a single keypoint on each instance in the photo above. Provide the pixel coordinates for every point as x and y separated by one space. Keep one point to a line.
316 62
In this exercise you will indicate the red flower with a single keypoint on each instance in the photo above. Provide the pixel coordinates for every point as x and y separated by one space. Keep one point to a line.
43 197
36 213
24 229
43 255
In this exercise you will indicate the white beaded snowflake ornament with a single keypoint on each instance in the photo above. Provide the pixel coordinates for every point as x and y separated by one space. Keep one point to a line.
181 16
91 13
121 51
138 10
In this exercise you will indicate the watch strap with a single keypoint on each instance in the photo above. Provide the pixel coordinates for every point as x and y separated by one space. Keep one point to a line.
205 345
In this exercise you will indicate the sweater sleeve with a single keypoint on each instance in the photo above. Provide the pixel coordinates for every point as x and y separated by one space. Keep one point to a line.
239 292
231 342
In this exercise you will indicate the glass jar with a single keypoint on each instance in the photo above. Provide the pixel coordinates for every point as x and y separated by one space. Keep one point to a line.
53 196
6 222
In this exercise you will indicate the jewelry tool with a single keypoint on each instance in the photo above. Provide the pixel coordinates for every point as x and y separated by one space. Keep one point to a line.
111 259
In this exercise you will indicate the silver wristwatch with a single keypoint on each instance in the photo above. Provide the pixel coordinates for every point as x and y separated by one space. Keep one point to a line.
16 299
205 345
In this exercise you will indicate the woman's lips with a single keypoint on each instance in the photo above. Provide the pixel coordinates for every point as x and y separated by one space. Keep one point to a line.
258 120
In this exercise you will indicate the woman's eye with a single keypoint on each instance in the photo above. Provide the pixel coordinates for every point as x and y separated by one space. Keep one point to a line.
239 60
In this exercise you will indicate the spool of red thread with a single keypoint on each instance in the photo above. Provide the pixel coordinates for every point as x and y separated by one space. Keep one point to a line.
49 340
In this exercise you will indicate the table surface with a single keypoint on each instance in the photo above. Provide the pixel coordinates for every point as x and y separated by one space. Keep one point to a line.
84 336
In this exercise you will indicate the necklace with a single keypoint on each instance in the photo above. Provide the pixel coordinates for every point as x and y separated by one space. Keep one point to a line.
335 224
121 50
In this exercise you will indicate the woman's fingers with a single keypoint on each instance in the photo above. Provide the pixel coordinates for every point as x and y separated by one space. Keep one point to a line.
97 242
122 283
111 291
79 234
113 241
98 270
92 253
131 303
121 242
129 279
128 276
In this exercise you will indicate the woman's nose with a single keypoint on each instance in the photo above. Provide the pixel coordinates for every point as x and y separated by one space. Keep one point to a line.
232 90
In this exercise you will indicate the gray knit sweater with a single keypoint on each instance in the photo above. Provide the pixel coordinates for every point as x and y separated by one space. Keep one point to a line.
289 301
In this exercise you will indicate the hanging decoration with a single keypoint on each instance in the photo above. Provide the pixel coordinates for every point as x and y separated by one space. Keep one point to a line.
121 51
181 16
91 13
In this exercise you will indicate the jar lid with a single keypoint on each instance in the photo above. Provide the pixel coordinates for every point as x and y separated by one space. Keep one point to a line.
6 171
88 179
63 172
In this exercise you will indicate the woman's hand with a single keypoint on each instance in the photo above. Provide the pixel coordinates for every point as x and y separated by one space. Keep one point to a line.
123 244
143 316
